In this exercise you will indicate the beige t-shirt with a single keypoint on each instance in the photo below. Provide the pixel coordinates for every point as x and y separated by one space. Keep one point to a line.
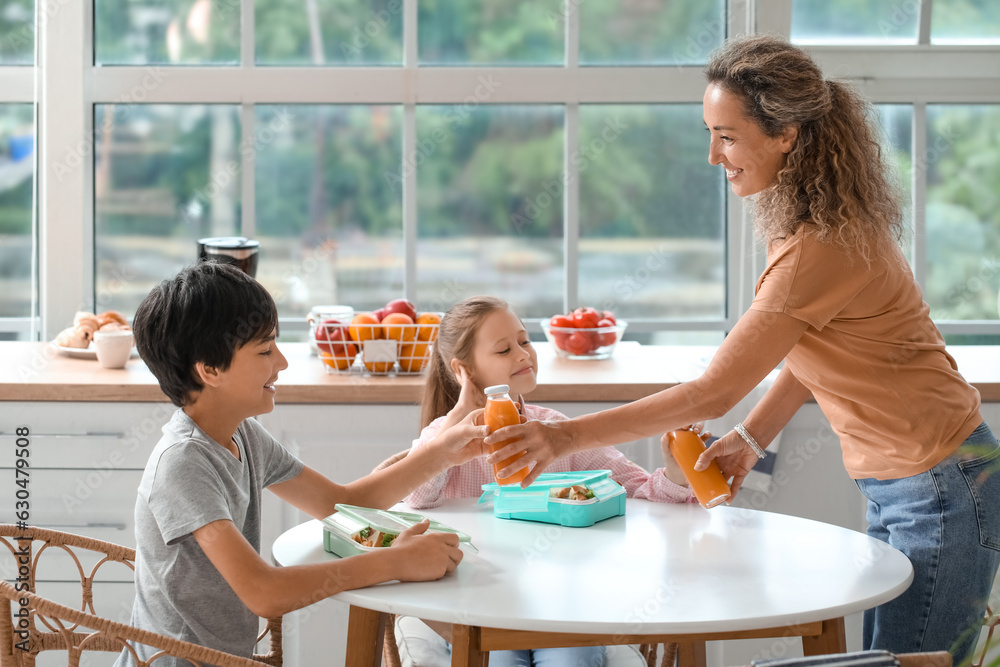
872 357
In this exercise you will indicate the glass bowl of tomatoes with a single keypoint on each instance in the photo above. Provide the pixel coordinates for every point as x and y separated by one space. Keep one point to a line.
586 333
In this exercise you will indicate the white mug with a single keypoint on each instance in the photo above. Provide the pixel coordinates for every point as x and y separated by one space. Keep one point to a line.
113 348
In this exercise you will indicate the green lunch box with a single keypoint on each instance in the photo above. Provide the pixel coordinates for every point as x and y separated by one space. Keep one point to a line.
536 503
340 528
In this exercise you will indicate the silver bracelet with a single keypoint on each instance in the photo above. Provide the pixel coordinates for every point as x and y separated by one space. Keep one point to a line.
749 440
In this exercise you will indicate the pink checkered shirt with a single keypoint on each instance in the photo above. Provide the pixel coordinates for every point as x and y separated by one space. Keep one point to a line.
466 480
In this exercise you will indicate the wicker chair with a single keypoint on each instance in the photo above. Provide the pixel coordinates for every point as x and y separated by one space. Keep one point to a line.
390 651
50 626
990 625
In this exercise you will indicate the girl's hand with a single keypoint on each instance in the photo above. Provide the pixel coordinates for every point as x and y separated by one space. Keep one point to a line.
699 428
671 469
470 397
463 441
425 557
541 441
734 457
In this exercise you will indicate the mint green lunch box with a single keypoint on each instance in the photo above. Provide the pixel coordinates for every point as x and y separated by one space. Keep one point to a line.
356 530
538 502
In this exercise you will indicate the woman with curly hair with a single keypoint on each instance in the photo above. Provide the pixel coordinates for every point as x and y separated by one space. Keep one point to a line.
838 304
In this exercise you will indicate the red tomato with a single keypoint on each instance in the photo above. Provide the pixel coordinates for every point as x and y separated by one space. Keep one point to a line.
608 315
561 321
561 340
606 337
585 318
580 342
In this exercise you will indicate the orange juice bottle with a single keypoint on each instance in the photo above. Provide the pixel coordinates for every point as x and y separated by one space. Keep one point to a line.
709 485
500 412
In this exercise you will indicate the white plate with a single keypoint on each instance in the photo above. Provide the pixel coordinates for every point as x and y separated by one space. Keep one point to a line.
84 352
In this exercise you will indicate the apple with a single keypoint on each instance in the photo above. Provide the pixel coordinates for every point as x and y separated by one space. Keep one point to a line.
379 314
332 336
404 306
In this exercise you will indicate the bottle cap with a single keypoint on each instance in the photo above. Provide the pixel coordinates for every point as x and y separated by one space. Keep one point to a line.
496 389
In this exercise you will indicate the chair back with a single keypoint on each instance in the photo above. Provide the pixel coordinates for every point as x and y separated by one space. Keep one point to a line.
31 624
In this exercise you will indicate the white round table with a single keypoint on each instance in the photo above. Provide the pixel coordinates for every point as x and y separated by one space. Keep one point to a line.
662 572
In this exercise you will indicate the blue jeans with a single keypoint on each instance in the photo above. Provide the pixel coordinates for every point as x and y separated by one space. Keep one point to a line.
583 656
947 522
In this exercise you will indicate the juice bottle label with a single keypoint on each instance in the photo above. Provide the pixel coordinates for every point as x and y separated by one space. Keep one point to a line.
500 413
709 485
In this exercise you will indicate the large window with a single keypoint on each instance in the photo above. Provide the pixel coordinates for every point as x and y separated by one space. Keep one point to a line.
18 294
548 152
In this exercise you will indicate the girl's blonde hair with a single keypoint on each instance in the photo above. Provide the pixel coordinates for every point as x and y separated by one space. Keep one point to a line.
835 179
456 338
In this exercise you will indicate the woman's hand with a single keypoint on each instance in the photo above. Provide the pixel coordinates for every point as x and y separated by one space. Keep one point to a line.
541 441
734 457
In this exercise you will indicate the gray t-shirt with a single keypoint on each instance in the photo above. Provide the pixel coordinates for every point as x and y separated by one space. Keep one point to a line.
190 480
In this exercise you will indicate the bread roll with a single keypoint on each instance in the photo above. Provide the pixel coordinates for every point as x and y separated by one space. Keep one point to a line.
109 316
73 337
115 326
86 320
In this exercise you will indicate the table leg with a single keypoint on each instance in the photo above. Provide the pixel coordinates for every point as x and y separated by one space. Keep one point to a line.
465 647
831 639
691 654
364 637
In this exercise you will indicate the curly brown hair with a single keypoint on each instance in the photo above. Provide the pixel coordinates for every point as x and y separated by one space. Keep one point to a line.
836 178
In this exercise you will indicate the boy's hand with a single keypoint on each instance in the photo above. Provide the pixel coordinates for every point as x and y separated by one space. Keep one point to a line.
463 441
425 557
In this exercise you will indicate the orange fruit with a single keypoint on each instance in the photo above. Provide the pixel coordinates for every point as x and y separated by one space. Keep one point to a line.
340 362
429 331
412 357
378 366
399 326
364 327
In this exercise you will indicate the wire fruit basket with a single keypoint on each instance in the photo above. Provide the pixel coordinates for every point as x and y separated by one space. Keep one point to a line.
375 349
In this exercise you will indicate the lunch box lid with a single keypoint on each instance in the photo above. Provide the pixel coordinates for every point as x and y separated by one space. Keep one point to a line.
349 519
512 498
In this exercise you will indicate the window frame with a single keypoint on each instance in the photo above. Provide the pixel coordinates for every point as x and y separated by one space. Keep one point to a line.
918 74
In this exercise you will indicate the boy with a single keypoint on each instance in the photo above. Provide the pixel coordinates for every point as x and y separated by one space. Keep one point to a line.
208 335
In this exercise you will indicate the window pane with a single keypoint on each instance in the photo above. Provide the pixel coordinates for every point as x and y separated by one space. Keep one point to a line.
339 32
17 138
164 176
652 213
473 32
189 32
17 32
855 21
490 212
963 211
965 22
329 212
897 138
629 32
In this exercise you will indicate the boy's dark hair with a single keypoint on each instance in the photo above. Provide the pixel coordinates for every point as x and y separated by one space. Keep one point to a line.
204 313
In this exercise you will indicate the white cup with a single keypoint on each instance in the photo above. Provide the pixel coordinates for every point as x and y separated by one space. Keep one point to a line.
113 348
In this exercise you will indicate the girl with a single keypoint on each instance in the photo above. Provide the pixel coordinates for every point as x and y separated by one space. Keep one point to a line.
482 342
